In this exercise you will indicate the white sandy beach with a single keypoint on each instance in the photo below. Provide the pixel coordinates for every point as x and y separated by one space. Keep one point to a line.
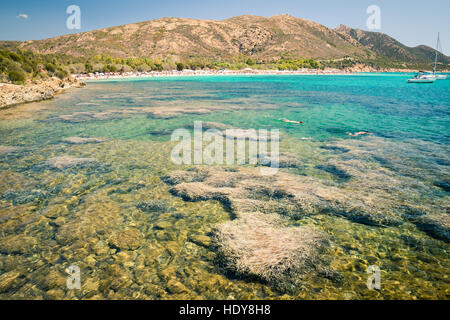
190 73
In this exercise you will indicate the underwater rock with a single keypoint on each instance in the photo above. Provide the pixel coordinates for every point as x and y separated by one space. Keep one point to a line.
339 173
175 112
89 288
201 240
52 280
161 225
134 187
128 239
17 244
197 191
159 132
88 104
101 248
171 109
244 134
115 278
260 245
435 225
176 287
8 280
154 206
93 218
207 125
266 189
282 207
81 140
444 185
194 175
285 160
54 294
7 149
65 162
26 196
369 219
335 148
125 258
78 117
14 218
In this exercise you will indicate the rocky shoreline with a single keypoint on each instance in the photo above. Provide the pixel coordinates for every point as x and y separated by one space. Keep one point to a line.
11 94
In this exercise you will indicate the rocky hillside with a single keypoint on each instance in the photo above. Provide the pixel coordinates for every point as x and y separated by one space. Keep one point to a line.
259 37
386 46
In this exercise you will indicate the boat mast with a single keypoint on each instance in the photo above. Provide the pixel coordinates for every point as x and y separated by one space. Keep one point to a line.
435 59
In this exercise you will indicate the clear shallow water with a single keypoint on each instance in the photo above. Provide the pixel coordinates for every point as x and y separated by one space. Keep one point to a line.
51 219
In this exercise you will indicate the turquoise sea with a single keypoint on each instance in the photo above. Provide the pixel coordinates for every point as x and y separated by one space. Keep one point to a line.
381 199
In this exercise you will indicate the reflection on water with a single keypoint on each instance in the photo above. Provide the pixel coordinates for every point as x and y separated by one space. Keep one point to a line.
80 184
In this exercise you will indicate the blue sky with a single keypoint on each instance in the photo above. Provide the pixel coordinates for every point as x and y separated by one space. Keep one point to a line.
412 22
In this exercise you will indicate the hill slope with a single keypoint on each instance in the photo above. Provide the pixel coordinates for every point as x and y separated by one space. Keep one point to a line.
387 46
259 37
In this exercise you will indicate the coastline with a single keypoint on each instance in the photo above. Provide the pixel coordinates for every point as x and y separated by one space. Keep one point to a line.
12 95
246 72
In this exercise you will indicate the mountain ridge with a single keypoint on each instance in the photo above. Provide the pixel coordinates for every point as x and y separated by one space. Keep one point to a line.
263 39
180 38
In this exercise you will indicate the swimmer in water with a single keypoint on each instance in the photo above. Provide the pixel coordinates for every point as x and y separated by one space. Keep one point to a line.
291 121
356 134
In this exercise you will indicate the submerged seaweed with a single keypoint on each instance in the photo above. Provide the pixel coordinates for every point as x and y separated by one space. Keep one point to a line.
154 206
258 245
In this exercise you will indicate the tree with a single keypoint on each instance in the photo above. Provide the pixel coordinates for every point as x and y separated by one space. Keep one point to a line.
88 67
250 62
158 67
180 66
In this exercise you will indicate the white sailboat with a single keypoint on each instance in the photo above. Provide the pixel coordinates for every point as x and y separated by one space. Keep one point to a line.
424 77
438 76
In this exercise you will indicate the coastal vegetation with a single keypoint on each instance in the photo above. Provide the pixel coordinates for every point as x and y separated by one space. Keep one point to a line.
16 65
379 63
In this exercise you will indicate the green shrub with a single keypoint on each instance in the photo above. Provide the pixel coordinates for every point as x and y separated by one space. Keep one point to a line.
62 74
250 62
50 67
16 77
110 68
14 56
27 68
